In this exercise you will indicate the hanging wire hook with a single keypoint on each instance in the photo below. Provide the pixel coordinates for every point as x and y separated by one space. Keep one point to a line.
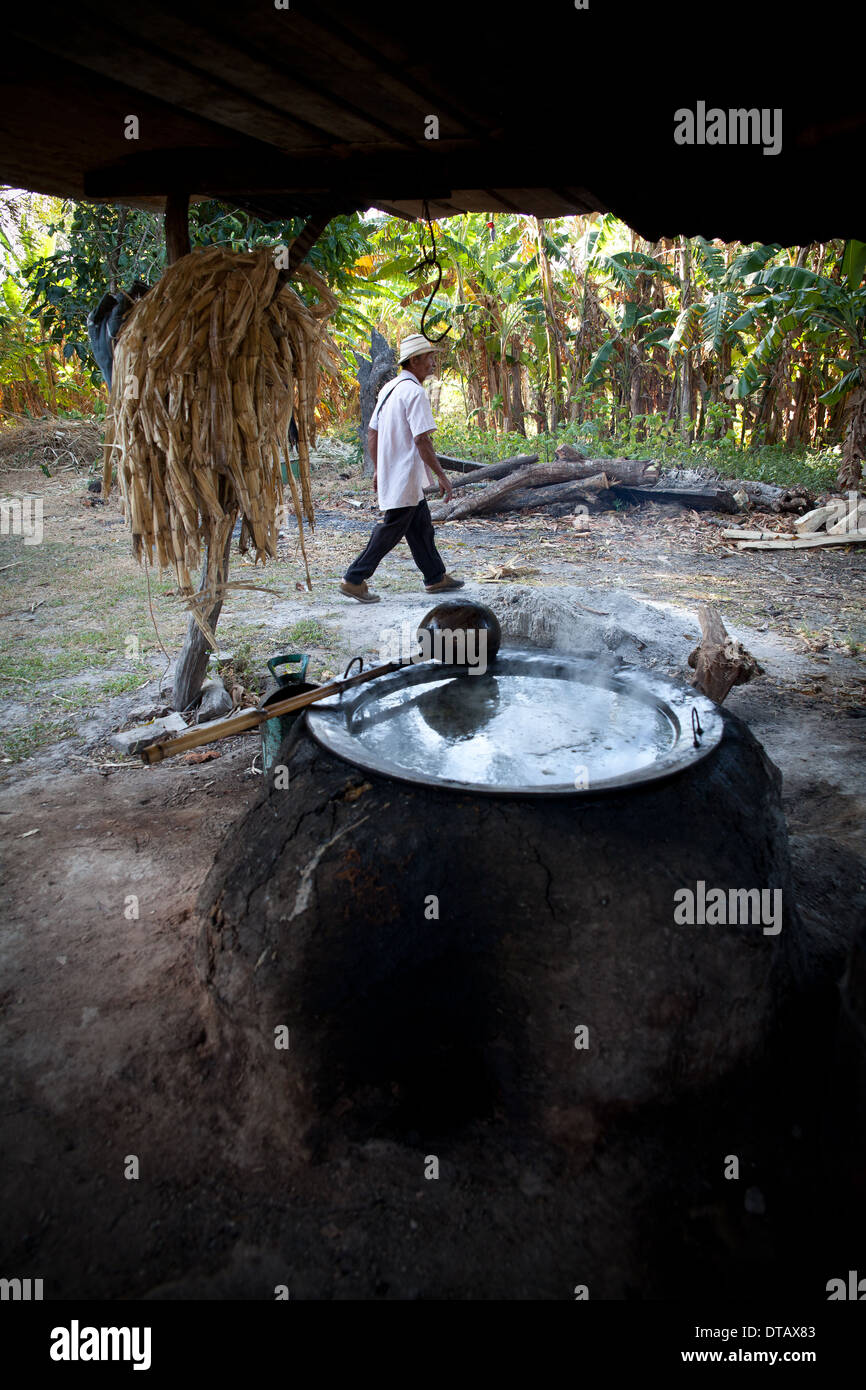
697 731
429 261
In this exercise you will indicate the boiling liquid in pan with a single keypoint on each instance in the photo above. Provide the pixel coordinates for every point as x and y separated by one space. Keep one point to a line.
512 730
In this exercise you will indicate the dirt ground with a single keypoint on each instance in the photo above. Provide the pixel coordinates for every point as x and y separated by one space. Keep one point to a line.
104 1044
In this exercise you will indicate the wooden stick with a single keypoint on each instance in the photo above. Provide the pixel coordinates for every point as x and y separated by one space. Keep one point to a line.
239 723
741 533
805 542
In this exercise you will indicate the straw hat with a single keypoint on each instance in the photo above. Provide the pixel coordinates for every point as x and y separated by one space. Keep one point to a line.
415 343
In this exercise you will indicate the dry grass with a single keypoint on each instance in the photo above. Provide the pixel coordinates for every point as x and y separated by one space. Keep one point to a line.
54 442
208 369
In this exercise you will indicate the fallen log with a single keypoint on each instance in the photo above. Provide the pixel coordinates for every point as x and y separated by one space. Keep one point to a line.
584 491
540 475
770 498
501 469
719 662
628 472
703 499
454 465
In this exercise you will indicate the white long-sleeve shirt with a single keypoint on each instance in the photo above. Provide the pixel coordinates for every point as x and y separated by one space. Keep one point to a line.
402 412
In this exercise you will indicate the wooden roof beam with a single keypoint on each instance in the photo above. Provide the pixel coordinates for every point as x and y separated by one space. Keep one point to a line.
254 169
203 65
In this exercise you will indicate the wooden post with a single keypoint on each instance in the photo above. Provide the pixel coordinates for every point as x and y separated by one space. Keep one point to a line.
176 226
191 665
306 240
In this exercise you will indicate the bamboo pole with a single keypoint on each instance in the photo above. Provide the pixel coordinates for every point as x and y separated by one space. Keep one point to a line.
240 723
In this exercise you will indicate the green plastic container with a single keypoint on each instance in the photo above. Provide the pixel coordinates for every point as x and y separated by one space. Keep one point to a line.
286 684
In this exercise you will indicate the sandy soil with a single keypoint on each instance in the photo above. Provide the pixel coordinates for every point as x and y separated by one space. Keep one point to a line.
102 1026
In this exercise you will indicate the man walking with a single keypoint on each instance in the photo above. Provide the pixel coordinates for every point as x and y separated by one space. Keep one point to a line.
399 440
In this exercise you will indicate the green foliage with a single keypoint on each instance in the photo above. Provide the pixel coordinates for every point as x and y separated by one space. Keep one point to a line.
630 346
307 632
18 744
105 248
854 263
34 375
651 436
801 303
99 248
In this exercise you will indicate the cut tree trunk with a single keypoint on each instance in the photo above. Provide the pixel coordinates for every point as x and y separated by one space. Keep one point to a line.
634 472
719 662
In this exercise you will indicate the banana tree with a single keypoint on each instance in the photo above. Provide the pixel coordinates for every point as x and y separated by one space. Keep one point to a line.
801 301
498 299
632 324
709 321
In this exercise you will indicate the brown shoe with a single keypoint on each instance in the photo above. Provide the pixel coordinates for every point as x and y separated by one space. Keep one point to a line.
360 592
446 582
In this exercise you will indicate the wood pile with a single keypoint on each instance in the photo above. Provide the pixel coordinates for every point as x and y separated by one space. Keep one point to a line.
522 481
209 368
839 521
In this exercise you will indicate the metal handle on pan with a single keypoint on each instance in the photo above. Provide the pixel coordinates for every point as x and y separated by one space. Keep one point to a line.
287 659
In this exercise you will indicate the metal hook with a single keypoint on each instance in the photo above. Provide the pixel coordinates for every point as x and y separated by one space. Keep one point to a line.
697 731
360 661
429 259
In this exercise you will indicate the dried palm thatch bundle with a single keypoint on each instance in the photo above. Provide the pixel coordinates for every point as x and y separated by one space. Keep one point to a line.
208 369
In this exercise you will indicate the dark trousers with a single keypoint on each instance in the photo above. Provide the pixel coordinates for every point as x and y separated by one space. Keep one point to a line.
415 525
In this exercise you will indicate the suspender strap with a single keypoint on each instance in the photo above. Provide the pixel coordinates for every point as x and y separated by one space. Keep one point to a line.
389 391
